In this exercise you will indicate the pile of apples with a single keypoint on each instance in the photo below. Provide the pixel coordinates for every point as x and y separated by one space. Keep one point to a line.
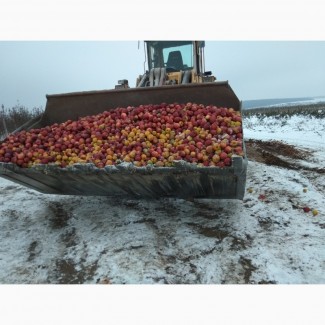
142 135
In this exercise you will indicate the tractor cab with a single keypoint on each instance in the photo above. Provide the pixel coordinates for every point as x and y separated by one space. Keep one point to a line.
172 55
174 62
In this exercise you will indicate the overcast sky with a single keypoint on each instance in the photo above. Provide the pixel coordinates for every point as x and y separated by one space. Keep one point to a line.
255 69
37 56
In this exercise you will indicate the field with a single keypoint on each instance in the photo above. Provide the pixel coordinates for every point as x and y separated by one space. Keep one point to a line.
267 238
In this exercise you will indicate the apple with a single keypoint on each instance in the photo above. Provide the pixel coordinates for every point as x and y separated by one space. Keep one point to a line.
158 134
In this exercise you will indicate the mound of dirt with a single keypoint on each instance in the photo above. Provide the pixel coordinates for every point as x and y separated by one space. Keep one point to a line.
274 153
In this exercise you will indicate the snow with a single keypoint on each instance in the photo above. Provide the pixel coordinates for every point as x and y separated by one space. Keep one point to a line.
71 239
294 130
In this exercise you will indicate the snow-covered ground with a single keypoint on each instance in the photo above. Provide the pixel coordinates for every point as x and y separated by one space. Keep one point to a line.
266 238
295 130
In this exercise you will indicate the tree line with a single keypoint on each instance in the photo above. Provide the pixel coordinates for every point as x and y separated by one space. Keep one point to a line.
14 117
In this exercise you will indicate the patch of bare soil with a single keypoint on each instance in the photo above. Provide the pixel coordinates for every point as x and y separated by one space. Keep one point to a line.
67 272
58 215
275 153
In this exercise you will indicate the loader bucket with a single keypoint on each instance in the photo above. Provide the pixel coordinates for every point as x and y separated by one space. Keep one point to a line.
62 107
184 180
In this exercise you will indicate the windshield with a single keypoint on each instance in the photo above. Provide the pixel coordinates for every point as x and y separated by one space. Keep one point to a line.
173 55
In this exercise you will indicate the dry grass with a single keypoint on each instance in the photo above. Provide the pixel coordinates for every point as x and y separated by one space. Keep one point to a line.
315 110
12 118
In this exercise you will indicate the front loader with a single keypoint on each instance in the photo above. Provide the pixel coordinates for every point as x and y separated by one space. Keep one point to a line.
175 73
